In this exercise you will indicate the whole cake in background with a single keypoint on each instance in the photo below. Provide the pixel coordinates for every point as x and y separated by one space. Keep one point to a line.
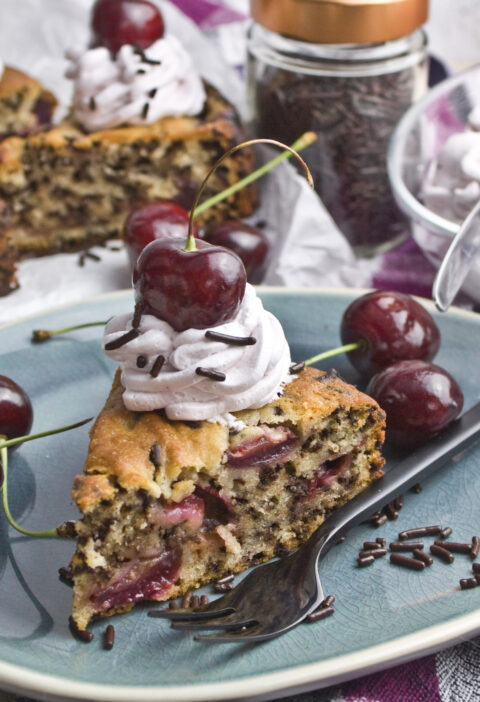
143 126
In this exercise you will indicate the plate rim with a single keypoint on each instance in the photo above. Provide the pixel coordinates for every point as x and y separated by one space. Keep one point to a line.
261 686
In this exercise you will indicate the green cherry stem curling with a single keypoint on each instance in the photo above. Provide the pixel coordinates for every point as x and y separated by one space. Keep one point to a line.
4 444
41 335
335 352
305 140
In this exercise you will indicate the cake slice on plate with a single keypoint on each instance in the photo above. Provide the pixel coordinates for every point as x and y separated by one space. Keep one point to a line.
171 504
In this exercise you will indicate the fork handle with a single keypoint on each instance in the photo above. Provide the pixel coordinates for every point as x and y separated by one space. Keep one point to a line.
459 436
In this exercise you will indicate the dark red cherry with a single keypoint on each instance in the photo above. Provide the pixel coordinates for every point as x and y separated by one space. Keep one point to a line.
419 398
155 220
248 242
189 289
118 22
393 326
16 413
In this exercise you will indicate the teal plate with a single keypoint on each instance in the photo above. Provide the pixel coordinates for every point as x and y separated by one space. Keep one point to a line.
383 614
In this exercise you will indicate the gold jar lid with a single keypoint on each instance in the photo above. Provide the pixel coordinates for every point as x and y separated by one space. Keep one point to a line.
341 21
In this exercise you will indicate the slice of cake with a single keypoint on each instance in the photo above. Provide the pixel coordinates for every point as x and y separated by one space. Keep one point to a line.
143 127
25 105
170 505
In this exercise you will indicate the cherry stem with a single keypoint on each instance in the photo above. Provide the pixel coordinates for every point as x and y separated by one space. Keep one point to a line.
4 444
41 335
335 352
301 143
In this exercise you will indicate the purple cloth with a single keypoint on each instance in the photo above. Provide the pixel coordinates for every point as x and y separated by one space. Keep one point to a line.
207 13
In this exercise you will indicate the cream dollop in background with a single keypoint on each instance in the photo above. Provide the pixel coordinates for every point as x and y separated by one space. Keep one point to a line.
452 182
134 87
255 374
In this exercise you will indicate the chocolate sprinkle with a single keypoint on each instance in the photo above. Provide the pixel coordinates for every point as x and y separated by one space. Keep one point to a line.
445 533
222 586
453 546
328 601
442 553
381 540
468 583
321 613
80 634
203 600
375 552
417 488
232 340
152 93
297 367
364 562
172 605
142 361
92 104
109 639
380 521
145 110
422 556
121 340
406 545
406 561
476 567
475 547
65 576
157 366
368 545
186 600
210 373
420 531
137 315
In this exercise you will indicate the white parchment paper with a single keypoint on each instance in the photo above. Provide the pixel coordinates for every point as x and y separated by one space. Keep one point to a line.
307 248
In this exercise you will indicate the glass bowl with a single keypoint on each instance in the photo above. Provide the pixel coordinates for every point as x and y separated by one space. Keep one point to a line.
417 139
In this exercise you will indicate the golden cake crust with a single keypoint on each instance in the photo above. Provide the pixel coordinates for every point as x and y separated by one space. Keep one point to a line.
14 81
121 440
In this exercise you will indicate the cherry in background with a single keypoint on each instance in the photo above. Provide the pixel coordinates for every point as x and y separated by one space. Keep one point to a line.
189 289
155 220
118 22
16 414
249 243
420 399
392 327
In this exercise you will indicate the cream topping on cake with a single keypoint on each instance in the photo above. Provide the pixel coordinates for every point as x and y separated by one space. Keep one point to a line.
254 374
452 182
134 87
2 68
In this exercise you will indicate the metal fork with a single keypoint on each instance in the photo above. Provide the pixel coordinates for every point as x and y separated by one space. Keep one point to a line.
276 596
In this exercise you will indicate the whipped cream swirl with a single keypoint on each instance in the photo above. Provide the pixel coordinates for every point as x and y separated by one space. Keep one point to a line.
452 182
134 87
254 374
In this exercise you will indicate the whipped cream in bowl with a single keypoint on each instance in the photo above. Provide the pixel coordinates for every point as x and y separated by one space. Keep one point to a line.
134 87
254 374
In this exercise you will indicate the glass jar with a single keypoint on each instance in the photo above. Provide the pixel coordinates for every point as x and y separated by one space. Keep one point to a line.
352 95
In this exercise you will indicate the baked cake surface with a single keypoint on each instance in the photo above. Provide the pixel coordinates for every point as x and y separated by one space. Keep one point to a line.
67 189
25 105
170 505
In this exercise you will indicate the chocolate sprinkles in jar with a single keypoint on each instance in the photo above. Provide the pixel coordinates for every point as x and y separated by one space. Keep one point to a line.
348 70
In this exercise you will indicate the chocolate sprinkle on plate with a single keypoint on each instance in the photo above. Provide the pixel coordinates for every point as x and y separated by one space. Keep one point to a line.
406 545
233 340
321 613
442 553
445 533
82 635
109 639
420 531
210 373
468 583
406 561
475 547
422 556
364 562
453 546
297 367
